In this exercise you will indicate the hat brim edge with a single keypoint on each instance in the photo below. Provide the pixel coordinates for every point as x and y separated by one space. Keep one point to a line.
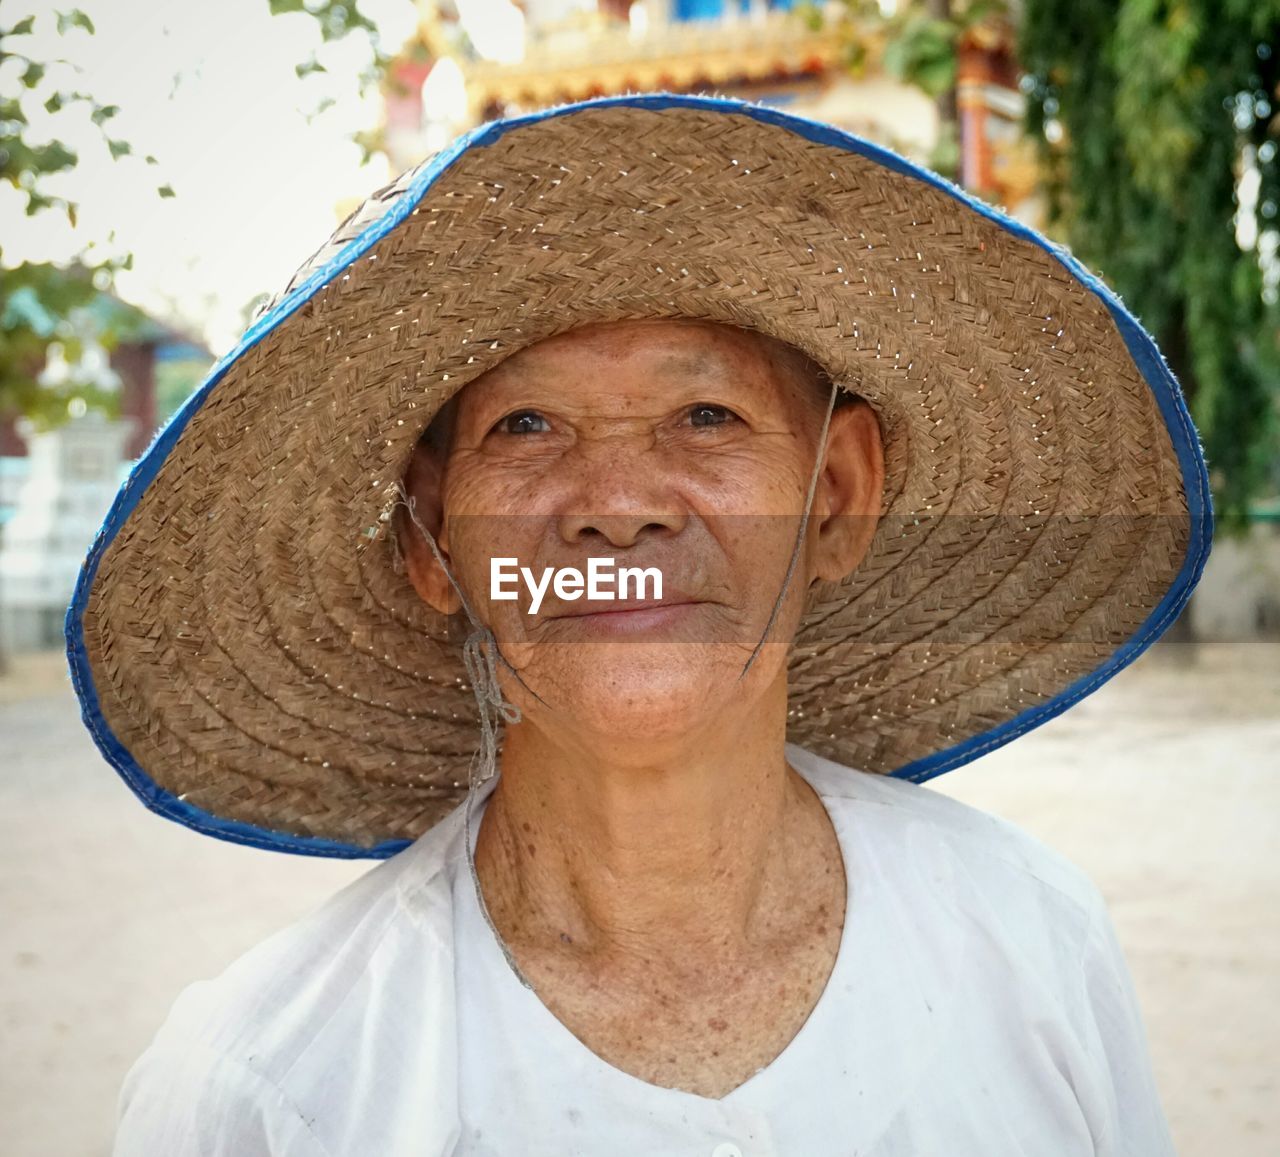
1173 409
1147 357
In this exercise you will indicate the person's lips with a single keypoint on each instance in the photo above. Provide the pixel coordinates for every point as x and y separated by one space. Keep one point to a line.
586 609
617 617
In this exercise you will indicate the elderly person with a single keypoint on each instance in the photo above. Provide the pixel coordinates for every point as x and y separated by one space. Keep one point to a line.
660 875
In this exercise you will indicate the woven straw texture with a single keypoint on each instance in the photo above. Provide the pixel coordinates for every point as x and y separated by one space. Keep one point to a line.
257 650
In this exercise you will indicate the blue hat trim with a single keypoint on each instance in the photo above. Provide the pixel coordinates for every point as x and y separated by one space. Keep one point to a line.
1142 348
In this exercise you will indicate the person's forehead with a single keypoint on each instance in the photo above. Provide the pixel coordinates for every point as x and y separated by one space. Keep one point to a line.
676 351
687 348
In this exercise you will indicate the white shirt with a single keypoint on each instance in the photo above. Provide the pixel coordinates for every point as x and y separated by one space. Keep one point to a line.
979 1006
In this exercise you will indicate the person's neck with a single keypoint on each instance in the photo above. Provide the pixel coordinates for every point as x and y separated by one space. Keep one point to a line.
678 847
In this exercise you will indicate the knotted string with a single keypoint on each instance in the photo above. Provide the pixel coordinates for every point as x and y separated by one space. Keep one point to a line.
480 656
804 525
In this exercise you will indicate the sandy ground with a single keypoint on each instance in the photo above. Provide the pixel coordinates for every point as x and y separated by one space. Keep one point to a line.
1164 786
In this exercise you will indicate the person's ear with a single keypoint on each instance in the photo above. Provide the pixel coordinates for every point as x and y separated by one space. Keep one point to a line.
423 483
850 491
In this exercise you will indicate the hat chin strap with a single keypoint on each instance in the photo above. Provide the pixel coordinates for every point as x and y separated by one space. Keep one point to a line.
480 653
800 533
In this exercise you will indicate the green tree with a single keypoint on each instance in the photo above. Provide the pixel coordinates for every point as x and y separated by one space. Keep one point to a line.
338 20
922 41
1157 125
923 50
41 303
1158 131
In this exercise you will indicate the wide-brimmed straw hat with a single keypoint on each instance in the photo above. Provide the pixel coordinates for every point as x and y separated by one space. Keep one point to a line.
251 656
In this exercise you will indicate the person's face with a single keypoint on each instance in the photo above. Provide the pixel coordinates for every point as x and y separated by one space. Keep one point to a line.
676 444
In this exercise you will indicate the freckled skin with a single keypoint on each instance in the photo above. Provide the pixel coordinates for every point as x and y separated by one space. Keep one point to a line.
673 890
619 469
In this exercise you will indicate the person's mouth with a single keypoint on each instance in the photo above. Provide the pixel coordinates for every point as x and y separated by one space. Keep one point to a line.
583 609
629 616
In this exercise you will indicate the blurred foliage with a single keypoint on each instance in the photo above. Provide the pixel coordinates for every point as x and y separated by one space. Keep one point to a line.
340 19
41 303
337 20
923 40
37 305
921 48
47 308
175 382
1151 117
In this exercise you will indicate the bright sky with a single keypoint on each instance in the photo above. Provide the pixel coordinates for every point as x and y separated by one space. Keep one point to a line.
210 90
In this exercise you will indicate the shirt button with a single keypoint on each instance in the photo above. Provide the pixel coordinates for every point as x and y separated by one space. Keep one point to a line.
726 1149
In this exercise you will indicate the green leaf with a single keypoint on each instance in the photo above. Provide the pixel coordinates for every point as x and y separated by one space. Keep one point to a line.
309 68
11 112
936 76
1152 97
38 202
54 103
103 113
150 160
980 10
23 27
895 58
74 19
33 74
119 149
166 190
53 157
335 18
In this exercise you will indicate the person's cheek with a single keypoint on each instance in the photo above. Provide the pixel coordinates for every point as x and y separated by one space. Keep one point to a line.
750 497
505 528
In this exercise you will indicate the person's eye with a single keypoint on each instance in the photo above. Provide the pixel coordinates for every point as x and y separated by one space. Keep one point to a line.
709 414
522 422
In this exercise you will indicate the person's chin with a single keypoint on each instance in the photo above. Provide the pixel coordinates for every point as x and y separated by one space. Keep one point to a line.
650 722
647 691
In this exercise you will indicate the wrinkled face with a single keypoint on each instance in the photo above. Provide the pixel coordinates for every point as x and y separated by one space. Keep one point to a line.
680 446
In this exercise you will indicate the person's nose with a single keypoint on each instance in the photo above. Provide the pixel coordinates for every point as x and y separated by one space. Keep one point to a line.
622 493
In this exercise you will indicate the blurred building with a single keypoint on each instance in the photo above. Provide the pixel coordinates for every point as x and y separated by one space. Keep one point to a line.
474 60
57 483
151 365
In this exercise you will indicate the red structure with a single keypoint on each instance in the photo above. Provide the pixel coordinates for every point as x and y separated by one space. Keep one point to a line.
134 359
992 159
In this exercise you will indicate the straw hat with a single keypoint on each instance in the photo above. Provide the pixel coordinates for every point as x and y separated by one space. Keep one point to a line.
250 654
